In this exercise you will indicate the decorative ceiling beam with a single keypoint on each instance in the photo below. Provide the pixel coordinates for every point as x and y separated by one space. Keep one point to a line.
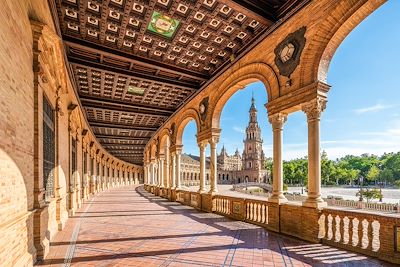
259 9
121 137
124 149
122 126
135 74
109 105
121 144
136 105
136 60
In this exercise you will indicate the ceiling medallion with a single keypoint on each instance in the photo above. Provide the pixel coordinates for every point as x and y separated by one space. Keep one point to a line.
288 52
163 25
135 90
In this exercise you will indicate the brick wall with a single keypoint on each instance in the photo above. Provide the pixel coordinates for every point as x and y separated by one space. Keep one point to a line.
16 135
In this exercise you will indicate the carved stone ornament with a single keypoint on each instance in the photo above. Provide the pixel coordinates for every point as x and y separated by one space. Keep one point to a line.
203 107
314 108
288 52
277 120
172 131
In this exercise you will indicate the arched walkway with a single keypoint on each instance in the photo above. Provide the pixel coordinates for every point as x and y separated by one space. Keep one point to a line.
129 227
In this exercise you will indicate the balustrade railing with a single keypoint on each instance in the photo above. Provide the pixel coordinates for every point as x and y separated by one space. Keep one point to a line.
256 211
223 205
354 231
384 207
351 229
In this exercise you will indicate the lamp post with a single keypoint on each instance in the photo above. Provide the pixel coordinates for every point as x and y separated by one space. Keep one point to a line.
361 180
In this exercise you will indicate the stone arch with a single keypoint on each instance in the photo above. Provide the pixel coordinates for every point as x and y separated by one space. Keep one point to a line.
238 80
153 150
187 116
332 30
165 140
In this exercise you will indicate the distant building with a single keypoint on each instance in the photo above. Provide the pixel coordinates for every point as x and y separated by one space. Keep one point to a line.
235 168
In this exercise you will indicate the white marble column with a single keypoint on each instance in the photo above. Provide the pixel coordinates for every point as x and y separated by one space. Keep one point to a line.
213 165
313 110
202 148
152 173
277 121
161 172
178 169
166 169
173 170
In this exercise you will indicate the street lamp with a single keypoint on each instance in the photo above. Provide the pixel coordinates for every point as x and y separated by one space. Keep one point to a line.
361 180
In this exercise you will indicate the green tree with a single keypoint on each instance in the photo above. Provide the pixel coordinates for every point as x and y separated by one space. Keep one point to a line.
370 194
373 174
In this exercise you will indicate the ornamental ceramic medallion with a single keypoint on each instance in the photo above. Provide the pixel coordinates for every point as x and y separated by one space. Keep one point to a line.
163 25
288 52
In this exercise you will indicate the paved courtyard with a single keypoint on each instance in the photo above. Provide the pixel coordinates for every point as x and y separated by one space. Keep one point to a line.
130 227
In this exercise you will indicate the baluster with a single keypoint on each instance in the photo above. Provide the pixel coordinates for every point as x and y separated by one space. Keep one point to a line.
251 211
263 213
360 233
341 229
334 228
256 212
369 234
327 226
350 231
247 210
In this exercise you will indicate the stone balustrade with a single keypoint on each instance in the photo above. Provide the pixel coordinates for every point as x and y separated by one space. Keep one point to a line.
371 234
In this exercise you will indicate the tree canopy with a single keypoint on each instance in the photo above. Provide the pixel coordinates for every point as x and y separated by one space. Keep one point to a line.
381 170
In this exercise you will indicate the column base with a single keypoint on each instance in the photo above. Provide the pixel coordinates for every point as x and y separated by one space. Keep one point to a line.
279 199
315 203
213 191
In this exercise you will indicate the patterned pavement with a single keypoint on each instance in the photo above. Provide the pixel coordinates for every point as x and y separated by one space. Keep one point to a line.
129 227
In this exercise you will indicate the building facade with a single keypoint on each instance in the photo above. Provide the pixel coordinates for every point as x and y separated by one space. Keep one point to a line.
236 168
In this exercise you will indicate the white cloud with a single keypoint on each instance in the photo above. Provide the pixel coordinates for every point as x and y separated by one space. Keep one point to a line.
238 129
374 108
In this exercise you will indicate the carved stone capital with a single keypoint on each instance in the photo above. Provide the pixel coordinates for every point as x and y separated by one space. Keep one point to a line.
314 108
177 149
214 141
202 144
277 120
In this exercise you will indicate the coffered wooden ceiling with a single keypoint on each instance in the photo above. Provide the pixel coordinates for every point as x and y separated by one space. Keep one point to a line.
135 62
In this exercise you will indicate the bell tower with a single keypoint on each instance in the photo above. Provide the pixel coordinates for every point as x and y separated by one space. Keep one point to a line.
253 156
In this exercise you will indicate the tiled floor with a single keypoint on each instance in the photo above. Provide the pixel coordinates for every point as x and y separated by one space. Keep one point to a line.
130 227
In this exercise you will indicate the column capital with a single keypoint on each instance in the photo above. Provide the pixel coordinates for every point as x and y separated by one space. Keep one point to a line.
177 149
314 108
209 135
202 144
277 120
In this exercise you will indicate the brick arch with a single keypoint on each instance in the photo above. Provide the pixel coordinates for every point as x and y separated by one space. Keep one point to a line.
238 80
187 116
332 30
153 150
165 140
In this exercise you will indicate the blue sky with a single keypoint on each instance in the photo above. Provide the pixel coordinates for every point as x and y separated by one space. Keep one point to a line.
362 114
